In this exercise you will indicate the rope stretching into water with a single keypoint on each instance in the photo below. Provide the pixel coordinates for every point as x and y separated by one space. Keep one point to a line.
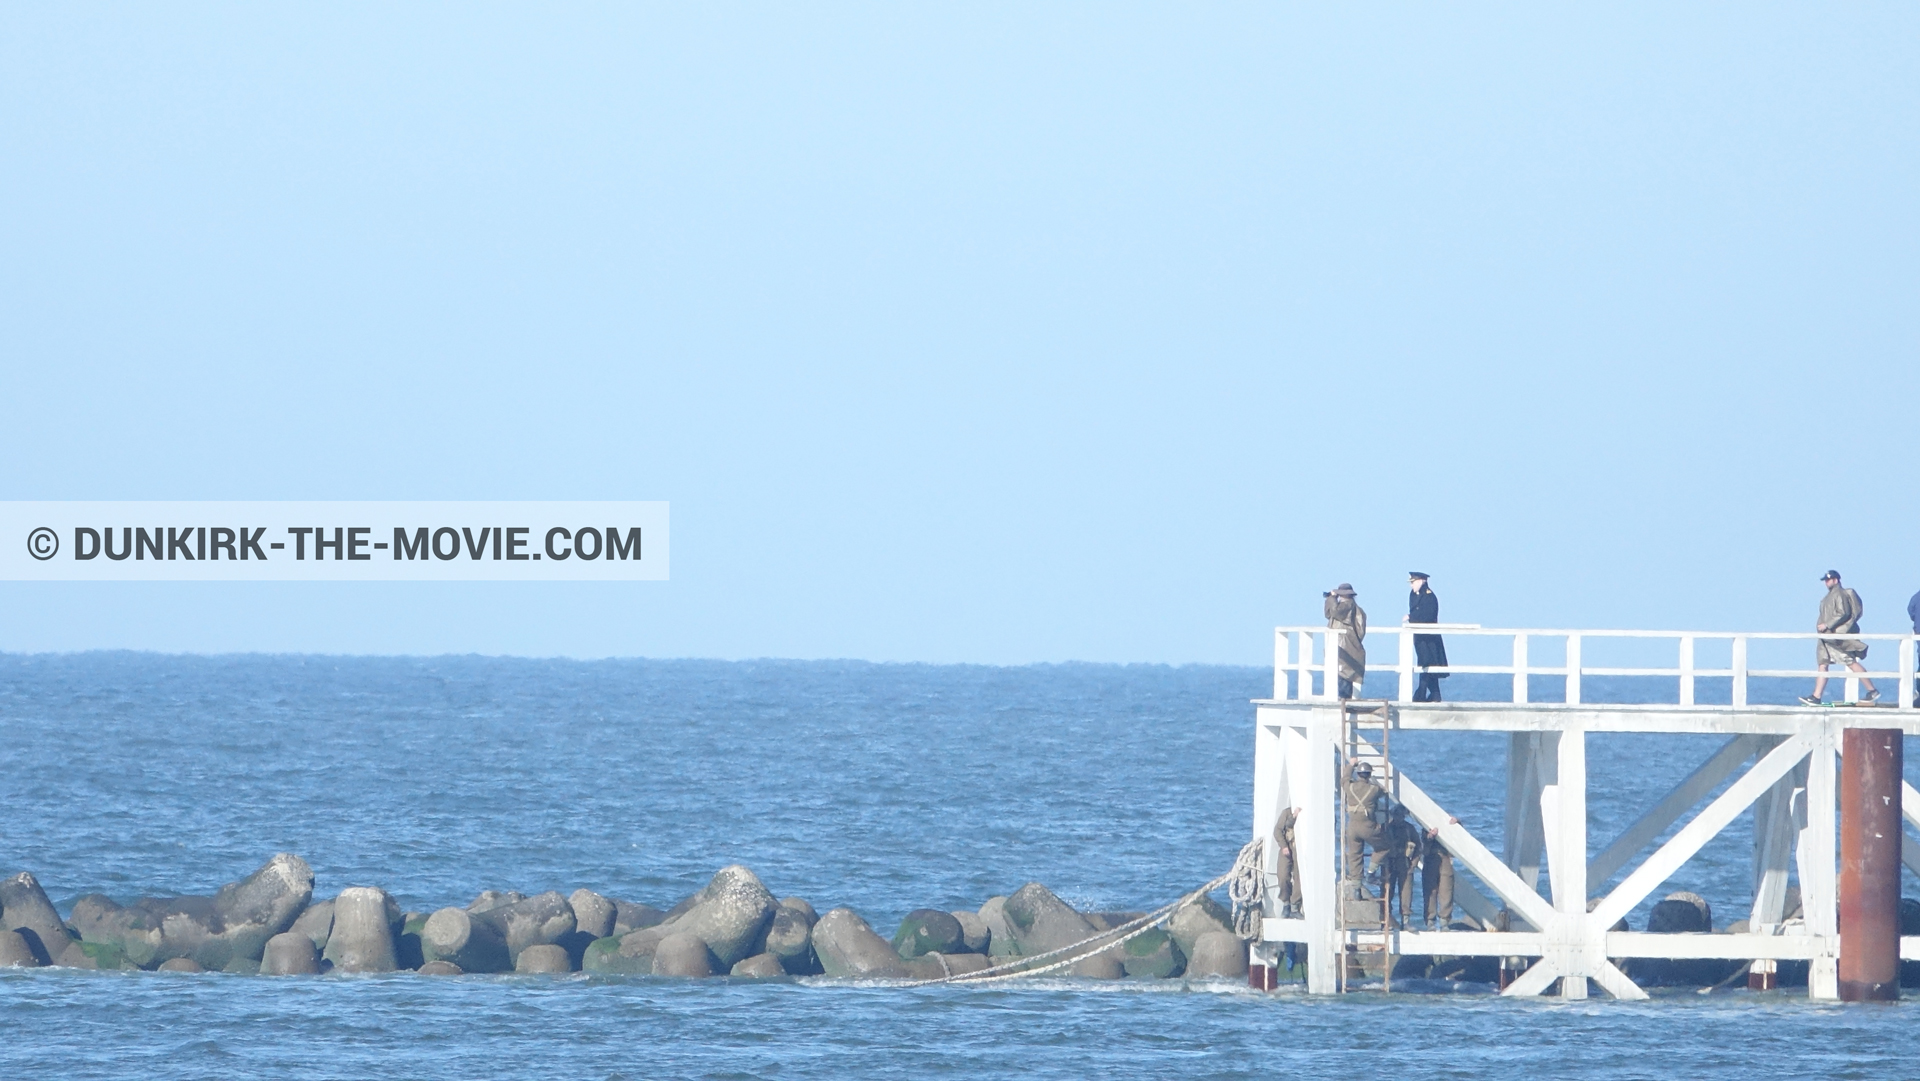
1246 869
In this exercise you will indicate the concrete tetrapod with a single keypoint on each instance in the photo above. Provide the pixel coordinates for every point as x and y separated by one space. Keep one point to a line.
542 920
362 938
235 922
730 915
761 966
316 923
1152 955
543 960
606 957
790 938
456 936
848 948
682 954
1101 966
999 936
975 936
593 919
593 914
26 910
290 953
15 953
1041 922
1190 922
1218 953
936 966
629 917
492 899
929 930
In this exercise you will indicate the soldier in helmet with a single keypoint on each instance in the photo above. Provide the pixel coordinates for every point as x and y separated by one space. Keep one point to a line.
1400 845
1361 797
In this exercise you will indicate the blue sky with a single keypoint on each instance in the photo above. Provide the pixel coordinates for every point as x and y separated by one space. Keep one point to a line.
996 333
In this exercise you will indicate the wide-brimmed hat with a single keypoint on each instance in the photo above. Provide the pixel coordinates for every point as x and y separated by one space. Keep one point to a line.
1344 589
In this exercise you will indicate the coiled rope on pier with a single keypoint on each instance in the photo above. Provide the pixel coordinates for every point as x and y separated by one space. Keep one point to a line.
1243 885
1245 889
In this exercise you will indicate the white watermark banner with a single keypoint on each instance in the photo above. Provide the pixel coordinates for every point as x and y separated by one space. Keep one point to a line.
333 541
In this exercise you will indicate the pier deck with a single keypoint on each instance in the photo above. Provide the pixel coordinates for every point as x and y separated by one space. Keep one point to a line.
1780 759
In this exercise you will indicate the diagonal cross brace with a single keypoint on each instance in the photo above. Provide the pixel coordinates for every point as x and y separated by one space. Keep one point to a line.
1909 810
1536 979
1685 795
1709 822
1467 849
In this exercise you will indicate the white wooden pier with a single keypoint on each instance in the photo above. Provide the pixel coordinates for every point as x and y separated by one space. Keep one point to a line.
1782 760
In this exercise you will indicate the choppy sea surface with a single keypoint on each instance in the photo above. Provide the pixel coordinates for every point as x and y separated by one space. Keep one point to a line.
883 787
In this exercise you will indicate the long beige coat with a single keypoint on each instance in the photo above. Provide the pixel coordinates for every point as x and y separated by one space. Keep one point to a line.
1840 612
1343 613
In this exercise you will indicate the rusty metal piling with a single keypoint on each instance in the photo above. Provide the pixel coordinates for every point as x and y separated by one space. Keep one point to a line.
1870 831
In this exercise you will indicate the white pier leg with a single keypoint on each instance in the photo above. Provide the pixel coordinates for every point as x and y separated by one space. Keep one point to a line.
1818 884
1318 853
1269 782
1531 766
1584 951
1774 831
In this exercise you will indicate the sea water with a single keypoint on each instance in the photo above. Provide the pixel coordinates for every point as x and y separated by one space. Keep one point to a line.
881 787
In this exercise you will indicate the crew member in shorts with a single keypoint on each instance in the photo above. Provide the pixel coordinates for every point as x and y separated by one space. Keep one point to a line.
1840 612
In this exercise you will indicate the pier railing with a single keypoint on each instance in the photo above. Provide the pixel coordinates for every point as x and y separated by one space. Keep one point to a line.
1311 651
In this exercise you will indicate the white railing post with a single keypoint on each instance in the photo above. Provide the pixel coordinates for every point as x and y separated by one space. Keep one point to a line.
1303 659
1406 665
1330 683
1279 664
1904 698
1519 667
1686 670
1573 669
1739 671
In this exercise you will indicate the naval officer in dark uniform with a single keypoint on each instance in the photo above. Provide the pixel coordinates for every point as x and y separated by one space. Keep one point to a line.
1423 606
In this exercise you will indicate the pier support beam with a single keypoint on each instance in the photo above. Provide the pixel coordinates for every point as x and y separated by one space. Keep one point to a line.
1532 767
1774 828
1567 864
1814 856
1314 832
1870 834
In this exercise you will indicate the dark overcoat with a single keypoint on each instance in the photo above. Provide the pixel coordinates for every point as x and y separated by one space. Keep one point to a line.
1428 650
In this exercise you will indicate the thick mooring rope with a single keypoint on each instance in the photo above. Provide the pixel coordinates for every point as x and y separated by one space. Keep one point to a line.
1245 869
1246 889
